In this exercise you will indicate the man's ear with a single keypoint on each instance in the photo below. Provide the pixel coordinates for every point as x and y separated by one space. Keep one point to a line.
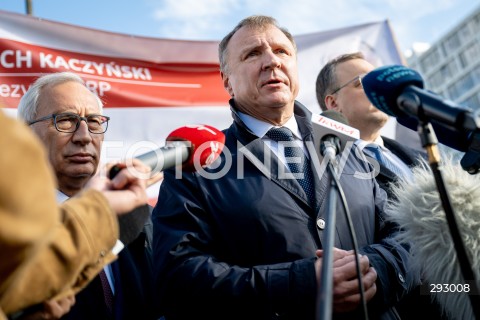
226 83
331 103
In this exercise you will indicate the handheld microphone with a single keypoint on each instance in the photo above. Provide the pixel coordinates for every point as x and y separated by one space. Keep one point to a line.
332 132
398 91
192 146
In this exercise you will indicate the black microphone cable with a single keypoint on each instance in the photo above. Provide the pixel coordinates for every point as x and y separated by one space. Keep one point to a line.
353 237
330 147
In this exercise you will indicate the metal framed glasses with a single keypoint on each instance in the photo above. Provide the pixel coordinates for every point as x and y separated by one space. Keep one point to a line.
357 83
70 122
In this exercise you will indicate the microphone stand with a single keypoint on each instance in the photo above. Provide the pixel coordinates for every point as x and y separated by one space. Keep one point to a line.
324 295
429 142
329 149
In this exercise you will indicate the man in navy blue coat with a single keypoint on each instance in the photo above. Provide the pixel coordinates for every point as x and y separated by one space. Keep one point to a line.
242 239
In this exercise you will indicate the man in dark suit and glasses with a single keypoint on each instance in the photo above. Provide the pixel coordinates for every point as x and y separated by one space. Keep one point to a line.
339 87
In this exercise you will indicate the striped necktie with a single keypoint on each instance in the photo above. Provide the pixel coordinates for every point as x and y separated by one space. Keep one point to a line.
375 152
302 169
107 290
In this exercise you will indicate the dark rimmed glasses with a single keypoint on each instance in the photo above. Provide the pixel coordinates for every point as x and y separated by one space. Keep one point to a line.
70 122
357 82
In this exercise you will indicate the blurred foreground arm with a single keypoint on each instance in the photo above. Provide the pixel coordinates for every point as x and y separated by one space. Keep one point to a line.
50 251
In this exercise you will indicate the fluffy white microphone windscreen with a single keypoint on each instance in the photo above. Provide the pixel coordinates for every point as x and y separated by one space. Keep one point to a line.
419 212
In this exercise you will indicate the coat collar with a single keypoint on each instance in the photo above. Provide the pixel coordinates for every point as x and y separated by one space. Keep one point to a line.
259 154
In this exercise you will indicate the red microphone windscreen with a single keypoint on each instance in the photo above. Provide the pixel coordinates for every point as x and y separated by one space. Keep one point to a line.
206 144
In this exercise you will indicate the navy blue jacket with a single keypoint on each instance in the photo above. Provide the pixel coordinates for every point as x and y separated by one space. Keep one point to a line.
409 156
238 242
133 276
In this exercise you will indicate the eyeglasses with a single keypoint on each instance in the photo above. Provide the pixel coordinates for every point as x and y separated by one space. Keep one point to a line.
357 82
70 122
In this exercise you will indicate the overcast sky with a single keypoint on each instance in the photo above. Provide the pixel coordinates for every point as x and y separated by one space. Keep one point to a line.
412 20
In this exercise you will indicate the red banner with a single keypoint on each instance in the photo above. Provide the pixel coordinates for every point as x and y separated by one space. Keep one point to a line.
119 82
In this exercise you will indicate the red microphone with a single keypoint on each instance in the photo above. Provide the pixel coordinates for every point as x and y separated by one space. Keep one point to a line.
192 146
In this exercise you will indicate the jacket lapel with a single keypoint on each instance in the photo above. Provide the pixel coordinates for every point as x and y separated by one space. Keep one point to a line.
384 171
259 154
320 178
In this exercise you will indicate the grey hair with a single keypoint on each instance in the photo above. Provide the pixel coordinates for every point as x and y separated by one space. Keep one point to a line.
327 78
28 106
254 22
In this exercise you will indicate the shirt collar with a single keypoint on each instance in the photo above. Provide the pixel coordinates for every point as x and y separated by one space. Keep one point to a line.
61 197
260 128
379 141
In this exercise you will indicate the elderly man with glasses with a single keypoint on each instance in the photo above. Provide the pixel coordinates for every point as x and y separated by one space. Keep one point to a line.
55 114
68 118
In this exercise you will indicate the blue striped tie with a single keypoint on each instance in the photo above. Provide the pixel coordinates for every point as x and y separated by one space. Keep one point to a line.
375 152
282 135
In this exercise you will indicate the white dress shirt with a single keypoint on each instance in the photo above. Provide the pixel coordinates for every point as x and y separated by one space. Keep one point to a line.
260 128
406 171
62 197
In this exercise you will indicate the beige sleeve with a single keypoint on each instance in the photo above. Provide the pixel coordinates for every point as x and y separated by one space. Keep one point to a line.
46 250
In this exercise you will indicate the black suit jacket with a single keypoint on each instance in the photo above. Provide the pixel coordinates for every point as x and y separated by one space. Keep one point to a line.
133 273
408 155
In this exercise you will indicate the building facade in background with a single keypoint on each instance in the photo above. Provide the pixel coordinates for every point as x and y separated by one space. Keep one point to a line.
451 66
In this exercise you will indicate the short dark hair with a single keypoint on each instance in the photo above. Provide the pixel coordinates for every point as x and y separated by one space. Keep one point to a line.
327 78
254 22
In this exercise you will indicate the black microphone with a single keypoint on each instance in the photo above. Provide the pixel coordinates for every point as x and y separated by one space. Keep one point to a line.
331 133
456 139
398 91
330 144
